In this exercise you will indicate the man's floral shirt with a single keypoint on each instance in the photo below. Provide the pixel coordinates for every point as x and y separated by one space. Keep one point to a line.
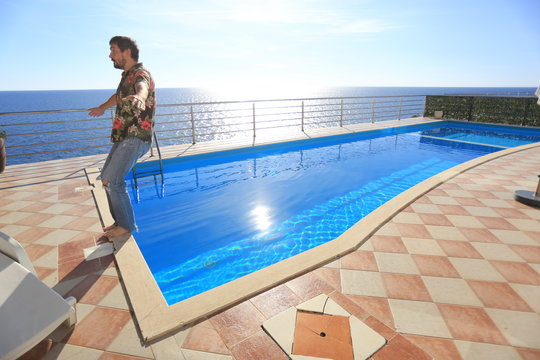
129 120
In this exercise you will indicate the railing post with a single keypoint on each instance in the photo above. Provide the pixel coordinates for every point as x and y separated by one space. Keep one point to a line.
254 128
399 113
373 111
341 115
302 116
192 126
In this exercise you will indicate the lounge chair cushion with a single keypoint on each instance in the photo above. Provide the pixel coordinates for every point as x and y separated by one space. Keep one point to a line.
29 309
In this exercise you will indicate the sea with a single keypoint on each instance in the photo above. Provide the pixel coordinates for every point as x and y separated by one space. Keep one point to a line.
50 136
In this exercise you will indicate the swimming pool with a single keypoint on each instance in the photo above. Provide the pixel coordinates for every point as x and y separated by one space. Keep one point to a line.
225 215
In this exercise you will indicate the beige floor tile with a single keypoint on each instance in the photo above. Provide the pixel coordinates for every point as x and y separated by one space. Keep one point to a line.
519 328
459 193
199 355
407 218
465 221
68 352
49 260
451 291
492 251
532 213
426 208
525 224
445 233
396 263
115 299
499 203
476 269
482 351
481 211
13 217
167 349
128 342
423 246
388 229
418 318
58 221
442 200
529 293
57 209
14 230
57 237
513 237
367 283
19 195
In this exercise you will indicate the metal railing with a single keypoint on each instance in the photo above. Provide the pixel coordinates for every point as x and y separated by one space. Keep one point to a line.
55 134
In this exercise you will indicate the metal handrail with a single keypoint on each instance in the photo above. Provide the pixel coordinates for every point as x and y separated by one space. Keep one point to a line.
202 121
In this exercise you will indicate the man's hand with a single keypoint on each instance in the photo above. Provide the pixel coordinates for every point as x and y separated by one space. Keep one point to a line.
136 100
97 111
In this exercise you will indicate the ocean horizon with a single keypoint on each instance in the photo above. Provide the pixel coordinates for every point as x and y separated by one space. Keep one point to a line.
44 128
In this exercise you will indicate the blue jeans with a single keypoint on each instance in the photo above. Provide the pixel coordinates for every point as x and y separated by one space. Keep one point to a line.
122 157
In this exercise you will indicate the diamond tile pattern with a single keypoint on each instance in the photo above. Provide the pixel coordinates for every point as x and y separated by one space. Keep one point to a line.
455 275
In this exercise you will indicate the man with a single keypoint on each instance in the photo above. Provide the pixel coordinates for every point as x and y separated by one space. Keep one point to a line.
131 131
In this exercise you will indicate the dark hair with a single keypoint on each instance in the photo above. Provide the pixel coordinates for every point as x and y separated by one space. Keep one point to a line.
124 43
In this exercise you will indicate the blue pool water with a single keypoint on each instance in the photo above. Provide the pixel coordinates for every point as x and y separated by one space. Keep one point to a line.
220 216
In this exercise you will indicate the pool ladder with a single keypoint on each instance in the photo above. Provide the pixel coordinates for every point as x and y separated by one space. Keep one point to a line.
149 173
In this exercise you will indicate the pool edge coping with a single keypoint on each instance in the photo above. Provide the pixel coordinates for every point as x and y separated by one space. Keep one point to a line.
156 319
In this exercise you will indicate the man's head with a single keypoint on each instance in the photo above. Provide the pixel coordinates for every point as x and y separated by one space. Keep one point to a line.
124 52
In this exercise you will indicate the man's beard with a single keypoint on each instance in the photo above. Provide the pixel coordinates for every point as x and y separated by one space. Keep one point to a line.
117 65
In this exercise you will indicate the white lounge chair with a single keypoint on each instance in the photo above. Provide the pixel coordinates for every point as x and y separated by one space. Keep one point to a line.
29 309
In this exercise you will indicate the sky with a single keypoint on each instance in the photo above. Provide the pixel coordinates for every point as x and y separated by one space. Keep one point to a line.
64 44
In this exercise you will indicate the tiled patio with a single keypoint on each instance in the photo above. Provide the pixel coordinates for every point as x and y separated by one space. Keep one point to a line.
455 275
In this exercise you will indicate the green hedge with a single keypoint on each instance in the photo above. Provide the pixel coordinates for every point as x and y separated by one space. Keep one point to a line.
503 110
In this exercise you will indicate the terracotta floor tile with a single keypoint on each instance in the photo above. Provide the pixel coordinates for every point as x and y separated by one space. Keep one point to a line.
496 223
81 210
405 287
99 328
275 300
34 219
114 356
204 338
529 354
82 223
535 235
35 251
76 268
435 266
498 295
36 207
465 201
359 260
459 249
32 234
515 272
437 347
435 219
388 244
453 210
402 349
238 323
42 272
530 254
309 286
73 250
510 213
414 231
377 307
93 289
471 324
482 194
260 346
331 276
480 235
320 335
352 307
